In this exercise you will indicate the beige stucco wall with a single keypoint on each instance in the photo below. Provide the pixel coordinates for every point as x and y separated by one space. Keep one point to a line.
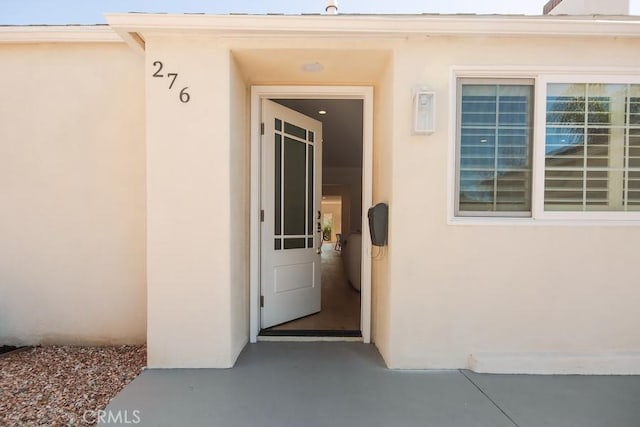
539 298
198 193
383 177
501 297
192 253
240 174
72 194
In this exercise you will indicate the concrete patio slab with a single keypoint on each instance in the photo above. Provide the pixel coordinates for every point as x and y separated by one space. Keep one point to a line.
347 384
564 400
306 384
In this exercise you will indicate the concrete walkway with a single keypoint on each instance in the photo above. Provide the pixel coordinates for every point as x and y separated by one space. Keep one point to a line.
347 384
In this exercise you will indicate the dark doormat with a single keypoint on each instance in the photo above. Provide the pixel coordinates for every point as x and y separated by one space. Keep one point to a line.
309 333
9 348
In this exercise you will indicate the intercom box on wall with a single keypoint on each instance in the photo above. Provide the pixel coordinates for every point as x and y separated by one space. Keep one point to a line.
378 220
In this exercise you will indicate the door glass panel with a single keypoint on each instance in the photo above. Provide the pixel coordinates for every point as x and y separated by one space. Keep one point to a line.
295 243
310 190
277 244
311 136
278 185
279 124
310 242
294 188
296 131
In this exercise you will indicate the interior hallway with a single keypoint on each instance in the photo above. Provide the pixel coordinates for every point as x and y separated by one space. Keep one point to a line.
314 384
340 302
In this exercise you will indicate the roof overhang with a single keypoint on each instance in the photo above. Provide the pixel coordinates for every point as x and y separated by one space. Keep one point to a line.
134 27
380 25
59 34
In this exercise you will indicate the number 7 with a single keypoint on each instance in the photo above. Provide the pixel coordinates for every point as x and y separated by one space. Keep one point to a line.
175 76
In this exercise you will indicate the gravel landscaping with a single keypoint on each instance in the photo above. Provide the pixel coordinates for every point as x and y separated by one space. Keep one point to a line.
63 386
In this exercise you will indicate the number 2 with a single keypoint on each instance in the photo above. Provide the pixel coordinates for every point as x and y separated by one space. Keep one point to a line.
157 73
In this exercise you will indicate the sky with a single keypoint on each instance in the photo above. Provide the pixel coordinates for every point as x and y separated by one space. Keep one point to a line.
25 12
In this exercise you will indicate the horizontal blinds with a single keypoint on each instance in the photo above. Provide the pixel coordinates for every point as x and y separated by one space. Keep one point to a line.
632 174
495 147
590 139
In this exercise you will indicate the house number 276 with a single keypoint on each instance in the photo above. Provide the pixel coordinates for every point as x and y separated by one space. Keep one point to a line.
184 95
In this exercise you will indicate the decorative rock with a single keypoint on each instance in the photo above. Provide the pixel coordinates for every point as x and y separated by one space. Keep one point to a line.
64 386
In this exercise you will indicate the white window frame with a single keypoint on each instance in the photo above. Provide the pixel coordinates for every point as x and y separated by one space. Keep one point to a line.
539 149
541 76
458 118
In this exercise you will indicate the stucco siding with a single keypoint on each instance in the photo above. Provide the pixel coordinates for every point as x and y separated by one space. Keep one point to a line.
113 188
188 210
382 183
72 194
463 290
240 196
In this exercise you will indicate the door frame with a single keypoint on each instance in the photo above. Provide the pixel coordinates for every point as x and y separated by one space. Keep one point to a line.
364 93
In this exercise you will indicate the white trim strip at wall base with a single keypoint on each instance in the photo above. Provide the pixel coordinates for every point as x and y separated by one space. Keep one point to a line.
308 339
605 363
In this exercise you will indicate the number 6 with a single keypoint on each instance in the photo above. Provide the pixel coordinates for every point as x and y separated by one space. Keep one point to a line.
184 95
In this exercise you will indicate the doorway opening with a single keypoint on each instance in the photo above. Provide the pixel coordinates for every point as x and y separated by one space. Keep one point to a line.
332 227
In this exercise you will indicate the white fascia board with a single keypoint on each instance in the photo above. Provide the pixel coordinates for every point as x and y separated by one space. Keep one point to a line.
377 25
58 34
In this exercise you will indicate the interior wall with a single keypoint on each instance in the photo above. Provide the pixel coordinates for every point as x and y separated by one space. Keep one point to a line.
72 191
335 209
502 293
345 204
351 180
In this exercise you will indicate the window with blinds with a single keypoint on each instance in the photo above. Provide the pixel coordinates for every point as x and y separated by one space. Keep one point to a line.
632 146
494 148
592 147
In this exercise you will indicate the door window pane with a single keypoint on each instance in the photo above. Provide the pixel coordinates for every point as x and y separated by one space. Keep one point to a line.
294 243
278 185
310 192
294 187
294 191
294 130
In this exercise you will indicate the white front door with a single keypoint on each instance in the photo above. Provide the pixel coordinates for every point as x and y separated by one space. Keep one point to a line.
291 234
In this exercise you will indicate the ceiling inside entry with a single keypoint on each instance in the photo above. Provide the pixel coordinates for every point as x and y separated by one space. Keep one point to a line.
341 128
